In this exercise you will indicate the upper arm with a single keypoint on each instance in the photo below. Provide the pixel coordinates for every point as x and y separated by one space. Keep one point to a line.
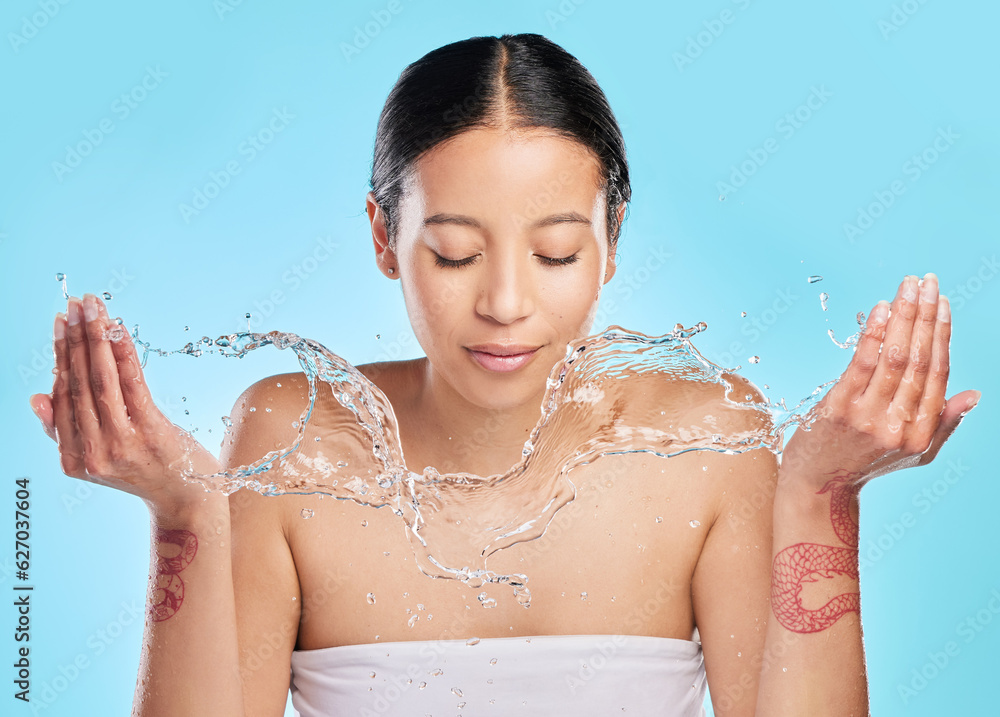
265 581
732 579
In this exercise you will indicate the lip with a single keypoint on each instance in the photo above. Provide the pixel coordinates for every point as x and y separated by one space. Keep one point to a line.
502 358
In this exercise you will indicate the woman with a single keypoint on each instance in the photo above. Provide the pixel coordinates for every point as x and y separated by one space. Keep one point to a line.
499 186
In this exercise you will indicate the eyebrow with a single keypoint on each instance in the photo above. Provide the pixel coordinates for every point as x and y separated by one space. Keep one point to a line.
461 220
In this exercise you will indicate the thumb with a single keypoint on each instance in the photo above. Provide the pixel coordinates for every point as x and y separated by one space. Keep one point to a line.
41 406
955 409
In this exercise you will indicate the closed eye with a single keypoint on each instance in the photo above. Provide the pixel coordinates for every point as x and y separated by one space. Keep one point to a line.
559 262
453 263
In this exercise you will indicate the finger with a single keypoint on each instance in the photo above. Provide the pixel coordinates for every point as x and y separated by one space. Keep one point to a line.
63 411
933 401
954 411
87 421
895 352
135 392
910 390
859 371
104 382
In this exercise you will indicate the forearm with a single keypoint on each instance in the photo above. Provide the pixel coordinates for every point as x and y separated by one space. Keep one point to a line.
813 651
190 658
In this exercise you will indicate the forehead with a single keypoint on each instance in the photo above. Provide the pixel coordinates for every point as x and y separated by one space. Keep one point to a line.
491 171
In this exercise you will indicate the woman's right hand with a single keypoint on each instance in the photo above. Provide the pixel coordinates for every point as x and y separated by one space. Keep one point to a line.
103 418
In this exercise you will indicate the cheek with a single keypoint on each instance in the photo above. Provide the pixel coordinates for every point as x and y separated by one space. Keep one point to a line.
432 301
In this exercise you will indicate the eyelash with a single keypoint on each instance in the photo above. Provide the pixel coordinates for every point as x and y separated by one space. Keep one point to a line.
458 263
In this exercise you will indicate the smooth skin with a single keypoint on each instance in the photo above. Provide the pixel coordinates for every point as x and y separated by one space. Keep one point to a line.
265 582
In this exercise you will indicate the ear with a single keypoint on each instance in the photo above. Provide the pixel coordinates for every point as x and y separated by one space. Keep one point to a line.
612 265
385 257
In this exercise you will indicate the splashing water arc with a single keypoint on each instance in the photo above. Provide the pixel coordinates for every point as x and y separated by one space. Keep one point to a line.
455 521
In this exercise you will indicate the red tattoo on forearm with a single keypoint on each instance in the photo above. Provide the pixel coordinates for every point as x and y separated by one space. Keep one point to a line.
169 592
805 562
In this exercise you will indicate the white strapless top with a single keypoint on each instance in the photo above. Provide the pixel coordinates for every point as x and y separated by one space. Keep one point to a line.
578 675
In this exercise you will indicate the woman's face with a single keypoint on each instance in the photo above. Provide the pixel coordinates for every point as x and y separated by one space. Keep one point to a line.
502 250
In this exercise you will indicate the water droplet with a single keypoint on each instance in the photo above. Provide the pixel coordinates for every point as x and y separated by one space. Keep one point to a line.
422 685
457 692
814 278
370 597
420 606
306 513
754 359
659 519
118 320
279 385
247 315
722 197
317 439
743 314
437 672
187 328
372 674
784 669
472 641
694 523
486 601
412 621
378 336
364 523
823 298
187 412
107 295
268 409
252 409
583 596
493 661
60 276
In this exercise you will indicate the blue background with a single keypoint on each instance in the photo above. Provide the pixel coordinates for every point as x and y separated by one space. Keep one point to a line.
694 105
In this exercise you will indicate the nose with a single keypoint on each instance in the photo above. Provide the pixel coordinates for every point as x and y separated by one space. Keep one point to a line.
507 292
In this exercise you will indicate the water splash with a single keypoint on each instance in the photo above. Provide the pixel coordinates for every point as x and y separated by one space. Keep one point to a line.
455 521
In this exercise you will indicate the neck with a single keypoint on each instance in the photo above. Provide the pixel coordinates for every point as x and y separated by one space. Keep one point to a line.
455 435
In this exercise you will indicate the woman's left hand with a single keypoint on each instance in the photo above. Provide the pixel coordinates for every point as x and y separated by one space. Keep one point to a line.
888 410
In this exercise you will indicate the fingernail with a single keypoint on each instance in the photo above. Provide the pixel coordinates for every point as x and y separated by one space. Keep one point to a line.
73 311
944 309
59 327
89 307
909 291
881 312
975 401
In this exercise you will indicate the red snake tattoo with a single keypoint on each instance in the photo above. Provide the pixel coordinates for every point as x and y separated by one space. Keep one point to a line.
169 593
806 562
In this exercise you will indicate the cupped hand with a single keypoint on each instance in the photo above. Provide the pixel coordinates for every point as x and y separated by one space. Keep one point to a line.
888 410
103 418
